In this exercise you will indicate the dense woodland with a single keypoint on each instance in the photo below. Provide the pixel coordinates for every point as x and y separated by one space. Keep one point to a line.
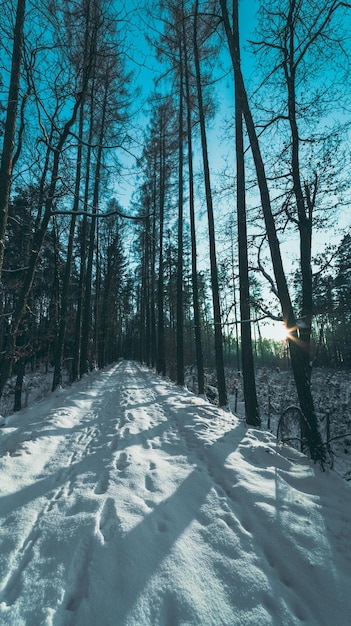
227 202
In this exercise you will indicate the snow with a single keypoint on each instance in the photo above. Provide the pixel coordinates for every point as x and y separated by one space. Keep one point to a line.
126 500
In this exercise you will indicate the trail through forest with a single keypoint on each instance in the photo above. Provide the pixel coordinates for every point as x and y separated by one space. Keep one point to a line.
126 500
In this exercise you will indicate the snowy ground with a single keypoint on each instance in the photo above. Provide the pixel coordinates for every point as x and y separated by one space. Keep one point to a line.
128 501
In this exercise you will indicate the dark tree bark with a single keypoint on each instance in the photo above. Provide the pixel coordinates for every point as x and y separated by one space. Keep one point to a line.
77 357
180 305
87 313
194 278
60 340
19 384
249 382
153 333
161 355
144 347
10 126
222 393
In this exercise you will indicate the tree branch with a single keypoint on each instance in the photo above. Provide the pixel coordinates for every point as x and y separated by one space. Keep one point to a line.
102 215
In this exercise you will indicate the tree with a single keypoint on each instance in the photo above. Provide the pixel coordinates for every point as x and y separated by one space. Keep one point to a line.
62 317
194 271
180 264
250 395
10 125
298 359
158 163
86 356
293 34
112 310
342 291
107 92
162 160
73 106
222 393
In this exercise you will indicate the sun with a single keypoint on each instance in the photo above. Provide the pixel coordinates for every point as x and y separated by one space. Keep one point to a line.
280 331
276 331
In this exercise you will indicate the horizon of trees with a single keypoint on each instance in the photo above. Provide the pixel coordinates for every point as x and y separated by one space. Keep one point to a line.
86 280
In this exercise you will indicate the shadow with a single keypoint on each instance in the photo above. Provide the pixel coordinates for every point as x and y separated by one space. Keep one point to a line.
42 487
313 524
142 549
150 542
100 453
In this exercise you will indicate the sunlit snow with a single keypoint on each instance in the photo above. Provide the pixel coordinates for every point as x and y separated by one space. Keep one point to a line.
126 500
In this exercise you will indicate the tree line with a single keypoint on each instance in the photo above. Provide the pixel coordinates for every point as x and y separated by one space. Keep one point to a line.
85 280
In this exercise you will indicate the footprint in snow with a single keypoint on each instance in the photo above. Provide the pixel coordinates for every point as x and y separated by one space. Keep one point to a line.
103 483
114 443
162 526
57 495
149 483
78 575
122 462
126 432
108 520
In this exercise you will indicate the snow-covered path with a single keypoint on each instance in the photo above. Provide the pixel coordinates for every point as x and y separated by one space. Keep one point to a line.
128 501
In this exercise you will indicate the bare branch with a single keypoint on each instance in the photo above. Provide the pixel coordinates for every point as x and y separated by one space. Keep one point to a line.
102 215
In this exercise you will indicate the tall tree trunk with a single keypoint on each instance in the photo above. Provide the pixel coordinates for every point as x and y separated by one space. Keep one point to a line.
96 329
10 126
86 317
153 334
77 365
145 322
148 295
296 350
194 280
161 357
180 311
58 356
236 321
222 393
143 346
249 382
304 210
19 384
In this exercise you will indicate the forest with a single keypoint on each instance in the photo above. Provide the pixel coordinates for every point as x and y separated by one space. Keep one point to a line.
175 175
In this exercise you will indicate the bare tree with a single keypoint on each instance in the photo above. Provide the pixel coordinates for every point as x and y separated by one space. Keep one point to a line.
180 262
194 271
301 376
39 235
10 125
250 395
222 393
